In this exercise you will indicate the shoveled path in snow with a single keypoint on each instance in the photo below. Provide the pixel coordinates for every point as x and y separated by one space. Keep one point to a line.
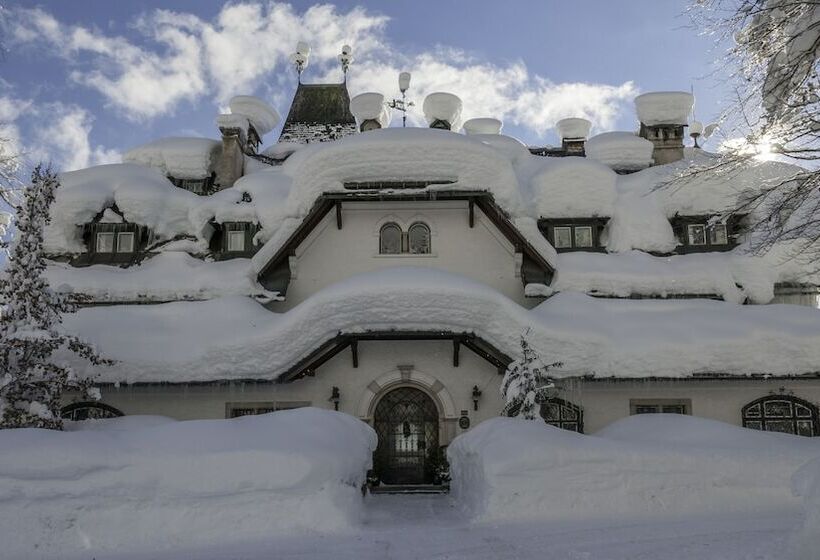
400 527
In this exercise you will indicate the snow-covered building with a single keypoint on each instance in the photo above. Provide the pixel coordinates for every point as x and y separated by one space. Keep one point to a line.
390 274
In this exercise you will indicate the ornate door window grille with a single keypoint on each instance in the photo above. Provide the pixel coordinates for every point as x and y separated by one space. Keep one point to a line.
782 413
563 414
89 411
406 421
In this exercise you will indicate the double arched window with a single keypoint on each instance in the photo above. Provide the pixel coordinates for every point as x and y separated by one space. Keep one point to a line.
782 413
394 241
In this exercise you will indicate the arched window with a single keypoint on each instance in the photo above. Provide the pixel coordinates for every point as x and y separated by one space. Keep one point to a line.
89 411
390 239
782 413
563 414
419 238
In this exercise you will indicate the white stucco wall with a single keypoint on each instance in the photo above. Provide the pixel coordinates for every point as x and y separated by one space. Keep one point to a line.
428 365
330 254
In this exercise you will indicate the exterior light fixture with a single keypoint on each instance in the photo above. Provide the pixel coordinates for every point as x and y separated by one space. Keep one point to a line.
335 397
476 396
300 58
346 59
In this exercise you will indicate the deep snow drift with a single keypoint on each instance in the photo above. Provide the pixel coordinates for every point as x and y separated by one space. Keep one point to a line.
125 482
806 484
646 465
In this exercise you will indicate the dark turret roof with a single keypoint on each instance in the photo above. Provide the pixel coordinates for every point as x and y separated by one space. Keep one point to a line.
319 104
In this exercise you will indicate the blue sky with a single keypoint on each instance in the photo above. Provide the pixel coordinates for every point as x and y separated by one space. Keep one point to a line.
85 80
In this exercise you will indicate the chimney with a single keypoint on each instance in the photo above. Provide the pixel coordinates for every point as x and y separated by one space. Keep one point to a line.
370 111
242 130
573 133
442 110
663 115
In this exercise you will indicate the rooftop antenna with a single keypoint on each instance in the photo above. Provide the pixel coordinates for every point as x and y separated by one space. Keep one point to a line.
402 104
300 58
346 59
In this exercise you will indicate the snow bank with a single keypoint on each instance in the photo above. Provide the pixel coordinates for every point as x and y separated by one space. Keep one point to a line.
623 338
183 158
664 107
370 106
806 484
572 187
620 150
647 465
168 276
573 128
182 483
262 116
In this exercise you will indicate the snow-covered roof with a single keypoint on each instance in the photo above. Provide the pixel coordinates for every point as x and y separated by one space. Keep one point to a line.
601 337
664 107
620 150
183 158
169 276
525 186
573 187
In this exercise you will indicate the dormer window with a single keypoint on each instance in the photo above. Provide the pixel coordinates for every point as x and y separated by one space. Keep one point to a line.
202 186
718 235
125 242
697 234
574 234
703 233
236 241
105 242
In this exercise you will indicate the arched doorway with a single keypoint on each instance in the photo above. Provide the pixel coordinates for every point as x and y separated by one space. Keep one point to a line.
406 421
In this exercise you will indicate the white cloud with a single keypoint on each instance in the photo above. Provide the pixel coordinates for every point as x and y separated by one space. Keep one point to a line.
55 133
245 49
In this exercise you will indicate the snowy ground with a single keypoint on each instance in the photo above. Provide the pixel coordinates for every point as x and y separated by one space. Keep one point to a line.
430 527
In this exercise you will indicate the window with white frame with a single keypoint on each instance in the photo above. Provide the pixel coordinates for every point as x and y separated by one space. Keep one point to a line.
105 242
697 234
418 238
125 242
660 406
583 236
236 241
563 237
717 235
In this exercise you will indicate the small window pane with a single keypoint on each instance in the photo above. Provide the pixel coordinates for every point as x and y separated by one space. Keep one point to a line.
125 242
390 240
805 428
583 236
697 235
646 409
777 409
419 239
563 237
236 241
105 242
754 425
717 235
753 411
673 409
782 426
